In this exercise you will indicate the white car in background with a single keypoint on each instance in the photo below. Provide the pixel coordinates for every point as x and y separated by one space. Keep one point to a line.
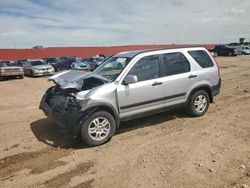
37 67
243 50
9 69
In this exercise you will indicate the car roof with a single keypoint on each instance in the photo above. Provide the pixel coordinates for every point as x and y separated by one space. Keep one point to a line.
131 54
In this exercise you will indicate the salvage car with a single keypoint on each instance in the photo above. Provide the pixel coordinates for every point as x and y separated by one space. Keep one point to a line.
37 67
223 50
243 50
80 65
51 61
8 70
92 104
67 63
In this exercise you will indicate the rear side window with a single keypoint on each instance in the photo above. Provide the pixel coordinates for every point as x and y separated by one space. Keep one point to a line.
175 63
202 58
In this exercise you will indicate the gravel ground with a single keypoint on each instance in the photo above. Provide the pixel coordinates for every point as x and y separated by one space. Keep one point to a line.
165 150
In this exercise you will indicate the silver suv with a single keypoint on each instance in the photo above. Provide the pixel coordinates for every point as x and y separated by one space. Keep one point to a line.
131 85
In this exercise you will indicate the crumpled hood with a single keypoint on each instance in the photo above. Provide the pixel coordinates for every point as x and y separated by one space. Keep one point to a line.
73 78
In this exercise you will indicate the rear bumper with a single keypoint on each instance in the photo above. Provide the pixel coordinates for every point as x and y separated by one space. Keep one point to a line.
67 120
216 88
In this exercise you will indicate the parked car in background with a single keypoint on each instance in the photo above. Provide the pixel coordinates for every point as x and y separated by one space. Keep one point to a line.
92 104
20 62
243 50
37 67
223 50
8 69
97 60
214 54
51 61
92 64
67 63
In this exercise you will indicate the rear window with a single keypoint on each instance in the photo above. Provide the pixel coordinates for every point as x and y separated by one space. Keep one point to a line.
202 58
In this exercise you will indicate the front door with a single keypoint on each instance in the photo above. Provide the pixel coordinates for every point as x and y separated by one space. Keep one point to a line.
146 95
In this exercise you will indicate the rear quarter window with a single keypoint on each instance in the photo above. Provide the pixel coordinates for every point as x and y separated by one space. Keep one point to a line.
202 58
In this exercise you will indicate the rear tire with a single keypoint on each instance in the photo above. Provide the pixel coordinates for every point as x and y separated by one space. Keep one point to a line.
98 128
198 103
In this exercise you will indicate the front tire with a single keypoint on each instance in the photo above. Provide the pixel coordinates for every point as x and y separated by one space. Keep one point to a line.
98 128
198 103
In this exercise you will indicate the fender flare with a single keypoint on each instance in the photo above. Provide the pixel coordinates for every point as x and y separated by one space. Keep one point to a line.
90 109
204 87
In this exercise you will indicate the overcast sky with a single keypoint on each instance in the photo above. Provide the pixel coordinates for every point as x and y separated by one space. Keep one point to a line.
26 23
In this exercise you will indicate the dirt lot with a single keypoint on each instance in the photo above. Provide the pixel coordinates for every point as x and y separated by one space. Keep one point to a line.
165 150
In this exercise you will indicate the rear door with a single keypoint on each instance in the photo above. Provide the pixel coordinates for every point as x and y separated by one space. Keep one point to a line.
177 78
146 95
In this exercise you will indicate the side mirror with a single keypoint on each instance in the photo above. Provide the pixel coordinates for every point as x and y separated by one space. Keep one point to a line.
130 79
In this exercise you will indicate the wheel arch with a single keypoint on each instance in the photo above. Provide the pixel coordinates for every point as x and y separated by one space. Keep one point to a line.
88 111
206 88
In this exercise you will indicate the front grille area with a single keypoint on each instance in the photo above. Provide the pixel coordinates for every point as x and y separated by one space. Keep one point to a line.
60 102
12 70
45 69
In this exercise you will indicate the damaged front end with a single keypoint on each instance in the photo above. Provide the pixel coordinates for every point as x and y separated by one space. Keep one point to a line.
60 102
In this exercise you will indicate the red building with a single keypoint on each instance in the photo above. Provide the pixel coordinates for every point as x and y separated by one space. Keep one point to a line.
84 52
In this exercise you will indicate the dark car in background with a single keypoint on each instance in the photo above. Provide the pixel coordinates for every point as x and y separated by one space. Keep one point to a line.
8 69
96 61
223 50
92 64
20 62
51 61
67 63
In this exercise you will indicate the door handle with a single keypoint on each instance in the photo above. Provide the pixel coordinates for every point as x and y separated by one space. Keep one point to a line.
192 76
156 83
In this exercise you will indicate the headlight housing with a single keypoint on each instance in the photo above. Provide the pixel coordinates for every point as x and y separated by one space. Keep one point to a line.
83 103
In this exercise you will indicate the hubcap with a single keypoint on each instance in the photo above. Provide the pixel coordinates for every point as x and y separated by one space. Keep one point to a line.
99 128
200 103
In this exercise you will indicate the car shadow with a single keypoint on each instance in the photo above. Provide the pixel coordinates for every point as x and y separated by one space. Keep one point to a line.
49 133
5 79
151 120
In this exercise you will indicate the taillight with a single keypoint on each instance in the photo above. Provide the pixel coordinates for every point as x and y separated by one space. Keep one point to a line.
217 64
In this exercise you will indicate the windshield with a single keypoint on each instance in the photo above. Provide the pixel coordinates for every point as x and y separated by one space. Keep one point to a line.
5 64
112 67
34 63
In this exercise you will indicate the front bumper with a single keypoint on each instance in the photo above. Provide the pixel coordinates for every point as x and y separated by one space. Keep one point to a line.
45 73
67 119
11 74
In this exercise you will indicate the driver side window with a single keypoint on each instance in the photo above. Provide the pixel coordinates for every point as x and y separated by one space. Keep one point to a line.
146 68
